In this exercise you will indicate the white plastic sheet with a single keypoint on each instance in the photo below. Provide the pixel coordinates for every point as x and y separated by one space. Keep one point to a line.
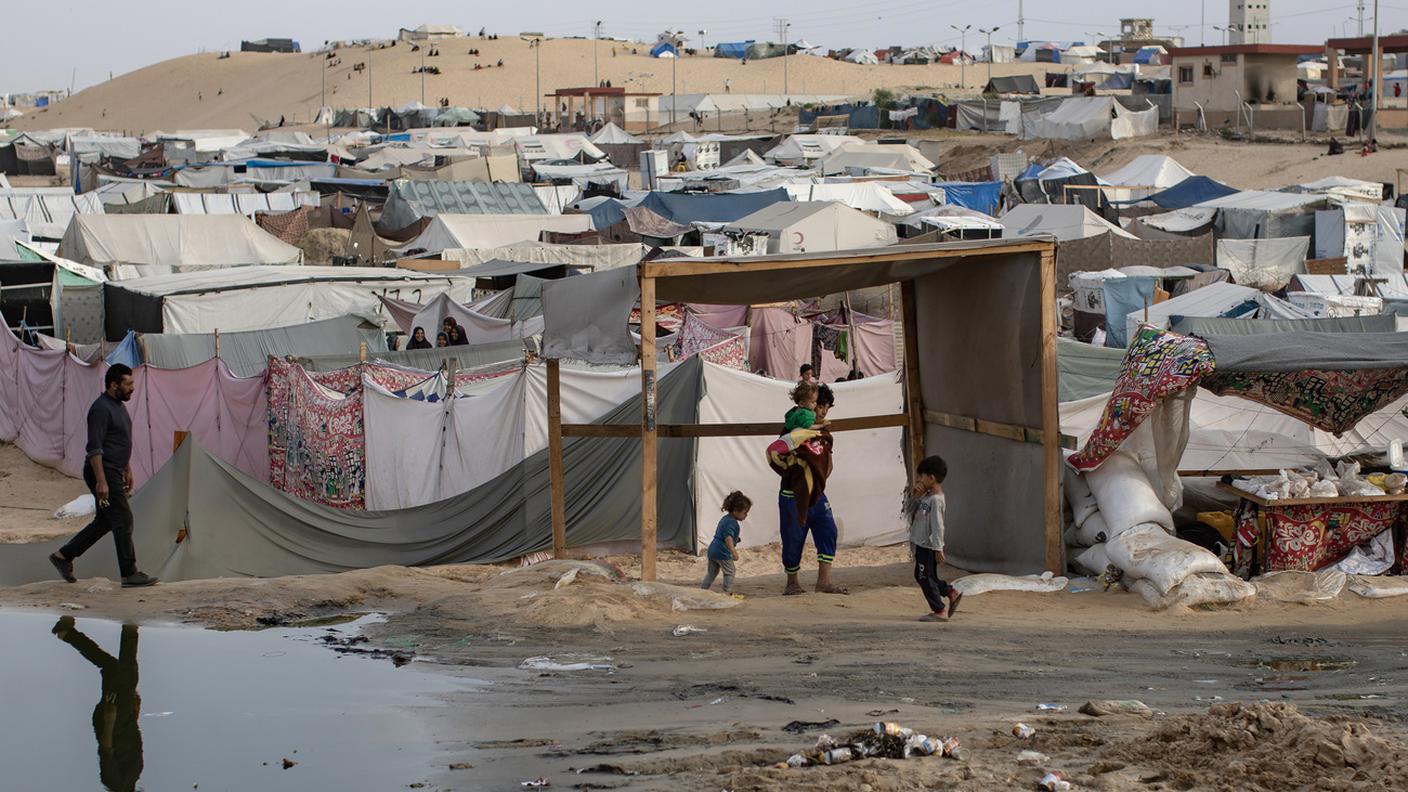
866 483
1266 264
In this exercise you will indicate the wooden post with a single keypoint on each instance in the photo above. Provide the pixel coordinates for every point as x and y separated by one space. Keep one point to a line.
647 427
217 342
362 352
1051 415
177 439
913 397
559 498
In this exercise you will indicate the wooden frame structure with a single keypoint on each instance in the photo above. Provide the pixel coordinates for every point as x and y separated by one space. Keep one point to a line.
880 268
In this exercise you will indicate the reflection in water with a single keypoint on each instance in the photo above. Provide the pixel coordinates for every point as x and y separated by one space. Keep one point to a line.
115 716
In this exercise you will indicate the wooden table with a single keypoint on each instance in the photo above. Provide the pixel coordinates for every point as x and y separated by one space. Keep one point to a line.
1339 520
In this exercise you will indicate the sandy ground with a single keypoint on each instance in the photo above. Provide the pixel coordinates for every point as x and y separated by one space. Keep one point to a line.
206 91
29 494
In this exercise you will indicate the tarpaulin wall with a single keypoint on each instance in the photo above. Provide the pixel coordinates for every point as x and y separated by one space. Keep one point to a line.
980 326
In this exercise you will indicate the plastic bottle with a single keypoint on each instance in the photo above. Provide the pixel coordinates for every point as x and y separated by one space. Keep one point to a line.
893 730
924 746
1055 781
950 748
1396 460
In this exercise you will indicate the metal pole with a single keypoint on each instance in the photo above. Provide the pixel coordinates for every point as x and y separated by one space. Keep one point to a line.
1021 22
422 74
369 84
538 77
596 37
674 98
1202 27
1374 87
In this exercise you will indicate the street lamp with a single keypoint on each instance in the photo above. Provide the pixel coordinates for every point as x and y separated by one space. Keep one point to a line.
674 97
535 43
704 45
989 33
962 51
596 37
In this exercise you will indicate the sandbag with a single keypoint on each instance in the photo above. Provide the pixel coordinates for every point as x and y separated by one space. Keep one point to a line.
1125 495
1202 588
1306 588
1094 560
991 581
1078 494
1148 553
1093 531
1377 587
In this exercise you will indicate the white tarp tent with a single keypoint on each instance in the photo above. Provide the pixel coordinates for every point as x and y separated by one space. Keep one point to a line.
557 146
1145 175
1214 299
866 156
46 211
594 257
194 203
1344 188
1066 222
485 231
1266 264
816 226
805 149
1090 118
866 196
180 242
613 135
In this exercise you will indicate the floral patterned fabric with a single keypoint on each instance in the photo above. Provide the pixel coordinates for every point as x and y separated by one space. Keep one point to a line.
732 353
317 445
1330 400
1159 364
1309 538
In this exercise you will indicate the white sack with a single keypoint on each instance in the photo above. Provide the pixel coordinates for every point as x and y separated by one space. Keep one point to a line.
1094 560
1304 587
1204 588
1080 497
1093 531
991 581
1149 553
1125 495
1377 587
82 506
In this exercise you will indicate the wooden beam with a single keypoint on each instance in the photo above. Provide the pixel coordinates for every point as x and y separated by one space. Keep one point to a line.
679 268
1051 415
1019 434
559 495
764 429
177 438
913 397
647 428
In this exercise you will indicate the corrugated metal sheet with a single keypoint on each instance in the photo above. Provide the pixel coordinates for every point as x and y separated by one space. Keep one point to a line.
410 200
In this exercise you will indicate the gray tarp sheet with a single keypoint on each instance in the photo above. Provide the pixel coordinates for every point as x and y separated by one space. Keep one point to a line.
247 352
1204 326
1085 370
241 527
586 317
1300 351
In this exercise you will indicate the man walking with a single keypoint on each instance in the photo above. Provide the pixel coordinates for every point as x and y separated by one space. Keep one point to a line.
108 475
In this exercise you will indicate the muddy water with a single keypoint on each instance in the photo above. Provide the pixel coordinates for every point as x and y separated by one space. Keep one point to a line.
91 705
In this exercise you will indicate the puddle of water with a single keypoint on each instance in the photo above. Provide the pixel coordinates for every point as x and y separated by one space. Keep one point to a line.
93 705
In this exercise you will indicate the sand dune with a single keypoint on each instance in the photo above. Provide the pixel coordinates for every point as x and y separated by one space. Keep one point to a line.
207 91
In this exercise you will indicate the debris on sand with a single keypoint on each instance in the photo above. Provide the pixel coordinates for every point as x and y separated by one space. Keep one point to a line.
883 741
1266 747
1105 707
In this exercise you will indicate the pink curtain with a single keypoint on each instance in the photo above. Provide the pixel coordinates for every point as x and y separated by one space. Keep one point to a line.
719 317
779 343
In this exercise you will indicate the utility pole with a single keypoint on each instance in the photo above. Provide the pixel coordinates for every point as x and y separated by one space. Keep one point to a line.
535 43
325 97
674 97
1374 86
1021 22
370 106
422 74
989 33
1203 25
962 53
596 37
780 26
1360 4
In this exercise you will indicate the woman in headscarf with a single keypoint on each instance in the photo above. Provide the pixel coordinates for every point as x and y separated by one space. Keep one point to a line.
457 337
418 339
441 340
446 325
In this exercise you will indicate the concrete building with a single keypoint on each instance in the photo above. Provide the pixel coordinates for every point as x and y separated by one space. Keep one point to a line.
577 108
1218 79
1136 29
1249 21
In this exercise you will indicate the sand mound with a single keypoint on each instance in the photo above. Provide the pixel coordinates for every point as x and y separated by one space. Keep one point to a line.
1265 747
589 593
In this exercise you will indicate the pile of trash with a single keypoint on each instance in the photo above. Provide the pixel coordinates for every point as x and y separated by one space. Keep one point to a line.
1322 481
883 741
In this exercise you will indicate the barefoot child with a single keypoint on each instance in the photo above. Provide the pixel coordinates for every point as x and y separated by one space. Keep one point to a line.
926 537
723 551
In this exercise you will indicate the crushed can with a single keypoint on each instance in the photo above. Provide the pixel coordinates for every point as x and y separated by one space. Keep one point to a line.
950 747
1055 781
1022 731
924 746
894 730
798 760
837 756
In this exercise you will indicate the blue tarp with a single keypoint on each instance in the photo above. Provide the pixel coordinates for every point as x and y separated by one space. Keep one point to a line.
1147 55
1124 296
1118 81
732 49
663 48
606 213
688 208
127 352
978 196
1033 170
1190 191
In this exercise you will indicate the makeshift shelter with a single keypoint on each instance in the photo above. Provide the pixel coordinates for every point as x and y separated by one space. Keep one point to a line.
858 159
1001 415
409 200
866 196
687 208
1065 222
805 149
172 243
1015 84
452 231
1091 118
250 298
589 257
1191 192
816 227
1248 214
46 211
1145 175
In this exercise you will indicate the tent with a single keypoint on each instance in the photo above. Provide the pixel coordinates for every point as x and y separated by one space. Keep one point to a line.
594 257
174 243
866 196
815 226
1015 84
1344 188
689 208
491 230
1150 55
862 57
1190 192
46 211
1144 175
409 200
1063 221
572 145
861 157
1246 214
804 149
614 135
251 298
1089 118
732 49
1213 300
664 49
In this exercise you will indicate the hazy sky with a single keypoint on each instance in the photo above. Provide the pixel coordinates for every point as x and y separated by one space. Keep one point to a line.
47 44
